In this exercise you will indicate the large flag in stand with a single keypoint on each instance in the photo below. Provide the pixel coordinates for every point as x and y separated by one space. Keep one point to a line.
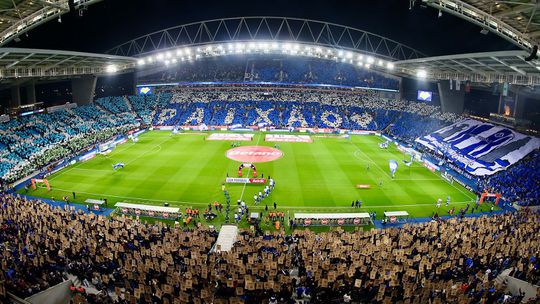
393 166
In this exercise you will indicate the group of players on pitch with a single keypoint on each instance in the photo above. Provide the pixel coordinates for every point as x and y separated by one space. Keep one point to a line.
266 192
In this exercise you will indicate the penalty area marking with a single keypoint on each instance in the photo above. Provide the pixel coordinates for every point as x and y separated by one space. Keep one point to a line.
149 151
369 159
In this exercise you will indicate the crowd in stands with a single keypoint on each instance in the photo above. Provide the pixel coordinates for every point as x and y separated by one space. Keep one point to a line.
29 143
32 142
298 70
365 110
519 183
452 261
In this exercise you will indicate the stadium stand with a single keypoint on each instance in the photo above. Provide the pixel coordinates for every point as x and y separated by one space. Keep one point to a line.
519 183
125 261
31 143
302 71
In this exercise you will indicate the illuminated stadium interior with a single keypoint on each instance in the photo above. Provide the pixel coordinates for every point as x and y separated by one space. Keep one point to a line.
285 152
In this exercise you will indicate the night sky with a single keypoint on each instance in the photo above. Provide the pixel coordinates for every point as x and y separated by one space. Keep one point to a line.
112 22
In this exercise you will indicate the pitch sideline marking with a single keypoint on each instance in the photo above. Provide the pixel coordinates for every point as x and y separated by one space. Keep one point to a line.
288 207
451 184
62 173
76 166
369 159
149 150
96 170
439 178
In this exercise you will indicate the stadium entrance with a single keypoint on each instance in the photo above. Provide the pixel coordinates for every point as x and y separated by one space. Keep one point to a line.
250 166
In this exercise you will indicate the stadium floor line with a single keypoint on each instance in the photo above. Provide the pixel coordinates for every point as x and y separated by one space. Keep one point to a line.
451 184
370 160
149 150
76 166
386 174
97 170
249 170
359 150
64 172
256 206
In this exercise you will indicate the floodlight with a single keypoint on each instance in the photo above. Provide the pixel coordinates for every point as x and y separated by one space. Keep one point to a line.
340 53
390 65
421 73
168 54
381 63
111 68
370 60
360 57
160 56
349 55
141 62
368 65
178 52
275 45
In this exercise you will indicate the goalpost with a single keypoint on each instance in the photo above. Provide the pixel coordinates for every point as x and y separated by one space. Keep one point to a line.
35 181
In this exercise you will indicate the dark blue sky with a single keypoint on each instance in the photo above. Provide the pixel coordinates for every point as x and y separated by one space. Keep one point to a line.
112 22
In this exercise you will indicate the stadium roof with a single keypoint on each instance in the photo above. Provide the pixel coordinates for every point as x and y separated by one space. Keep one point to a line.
517 20
19 16
489 67
278 35
269 29
17 62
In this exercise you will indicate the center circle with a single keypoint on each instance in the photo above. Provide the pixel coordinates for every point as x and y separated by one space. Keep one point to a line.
254 154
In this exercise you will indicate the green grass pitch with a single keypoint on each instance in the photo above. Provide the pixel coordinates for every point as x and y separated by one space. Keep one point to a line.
185 170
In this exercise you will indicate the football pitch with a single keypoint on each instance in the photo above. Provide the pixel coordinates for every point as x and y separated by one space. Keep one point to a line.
186 170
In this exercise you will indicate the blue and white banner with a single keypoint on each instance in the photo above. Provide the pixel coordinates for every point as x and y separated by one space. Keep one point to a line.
478 147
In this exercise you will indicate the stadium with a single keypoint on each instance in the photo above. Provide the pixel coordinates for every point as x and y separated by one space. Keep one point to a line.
309 152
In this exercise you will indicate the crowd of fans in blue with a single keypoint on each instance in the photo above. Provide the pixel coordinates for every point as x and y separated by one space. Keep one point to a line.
31 143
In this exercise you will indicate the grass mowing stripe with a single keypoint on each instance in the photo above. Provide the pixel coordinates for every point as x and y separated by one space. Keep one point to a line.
319 176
